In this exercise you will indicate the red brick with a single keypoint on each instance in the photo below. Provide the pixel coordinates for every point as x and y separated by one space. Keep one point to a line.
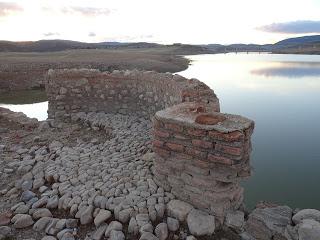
173 127
202 143
196 153
162 152
180 136
235 151
175 147
219 159
158 143
197 132
161 134
229 137
157 123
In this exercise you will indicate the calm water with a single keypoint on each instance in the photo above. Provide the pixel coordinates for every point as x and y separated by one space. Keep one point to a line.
33 103
281 93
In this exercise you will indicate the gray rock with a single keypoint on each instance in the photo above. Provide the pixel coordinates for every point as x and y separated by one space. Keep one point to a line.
48 238
22 221
114 225
309 229
161 231
264 223
63 232
306 214
246 236
42 223
102 216
99 233
124 215
27 195
41 202
133 227
173 224
52 202
68 236
179 209
86 215
22 209
71 223
146 228
116 235
200 223
235 220
5 231
191 238
26 185
41 212
148 236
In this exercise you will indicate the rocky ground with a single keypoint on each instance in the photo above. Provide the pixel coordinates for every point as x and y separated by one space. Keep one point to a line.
92 179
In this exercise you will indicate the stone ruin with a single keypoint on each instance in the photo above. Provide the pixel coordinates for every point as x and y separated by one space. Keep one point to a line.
200 154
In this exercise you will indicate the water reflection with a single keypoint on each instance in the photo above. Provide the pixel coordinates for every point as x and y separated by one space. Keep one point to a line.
285 108
33 103
290 70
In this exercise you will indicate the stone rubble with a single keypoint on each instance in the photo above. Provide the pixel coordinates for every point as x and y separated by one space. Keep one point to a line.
112 187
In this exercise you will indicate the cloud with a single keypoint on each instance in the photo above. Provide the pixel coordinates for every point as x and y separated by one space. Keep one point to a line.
86 11
92 34
302 26
8 7
50 34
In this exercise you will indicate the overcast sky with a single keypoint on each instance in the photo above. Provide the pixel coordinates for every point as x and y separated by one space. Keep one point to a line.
163 21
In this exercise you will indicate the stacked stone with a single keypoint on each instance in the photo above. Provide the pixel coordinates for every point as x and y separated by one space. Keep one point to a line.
201 155
126 92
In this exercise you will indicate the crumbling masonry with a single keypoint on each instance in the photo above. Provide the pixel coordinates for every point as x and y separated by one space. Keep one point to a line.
201 155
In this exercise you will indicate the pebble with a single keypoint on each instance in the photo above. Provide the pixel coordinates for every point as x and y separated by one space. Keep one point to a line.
173 224
148 236
116 235
41 212
179 209
22 221
161 231
102 216
200 223
114 225
86 216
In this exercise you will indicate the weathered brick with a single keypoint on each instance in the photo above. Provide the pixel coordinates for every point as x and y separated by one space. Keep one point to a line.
235 151
162 152
197 132
228 137
156 123
175 147
173 127
196 153
196 170
219 159
161 134
202 143
158 143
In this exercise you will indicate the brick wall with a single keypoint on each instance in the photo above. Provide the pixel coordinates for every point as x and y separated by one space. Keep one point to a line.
202 155
142 93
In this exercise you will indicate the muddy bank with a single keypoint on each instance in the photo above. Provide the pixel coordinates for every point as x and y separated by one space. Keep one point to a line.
20 71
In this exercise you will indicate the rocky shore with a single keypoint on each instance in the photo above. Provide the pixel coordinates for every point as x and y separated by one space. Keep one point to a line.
93 178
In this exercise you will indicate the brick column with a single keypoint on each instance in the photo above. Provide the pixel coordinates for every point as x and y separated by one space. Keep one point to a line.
201 155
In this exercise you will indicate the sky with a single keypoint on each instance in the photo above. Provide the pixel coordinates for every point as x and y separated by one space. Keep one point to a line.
165 21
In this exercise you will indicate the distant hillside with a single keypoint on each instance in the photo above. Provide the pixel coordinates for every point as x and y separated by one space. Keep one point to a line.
299 40
300 45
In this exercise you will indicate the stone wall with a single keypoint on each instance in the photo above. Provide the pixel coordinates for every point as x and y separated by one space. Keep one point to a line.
202 155
125 92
